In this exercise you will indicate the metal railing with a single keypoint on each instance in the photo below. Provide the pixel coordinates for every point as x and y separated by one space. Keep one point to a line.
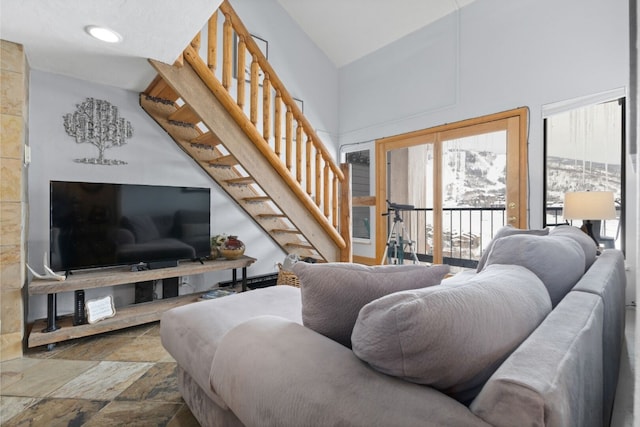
609 229
466 231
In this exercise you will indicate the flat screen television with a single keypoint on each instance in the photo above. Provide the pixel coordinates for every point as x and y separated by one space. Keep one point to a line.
102 224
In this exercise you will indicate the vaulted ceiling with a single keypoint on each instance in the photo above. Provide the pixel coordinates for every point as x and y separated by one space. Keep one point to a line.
349 29
52 31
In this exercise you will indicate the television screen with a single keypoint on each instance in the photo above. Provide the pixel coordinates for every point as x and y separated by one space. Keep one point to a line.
100 224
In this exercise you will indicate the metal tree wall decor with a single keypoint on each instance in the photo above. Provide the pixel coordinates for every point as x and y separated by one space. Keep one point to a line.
97 122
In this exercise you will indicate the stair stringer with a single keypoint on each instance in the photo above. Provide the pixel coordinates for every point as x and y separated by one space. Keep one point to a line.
185 82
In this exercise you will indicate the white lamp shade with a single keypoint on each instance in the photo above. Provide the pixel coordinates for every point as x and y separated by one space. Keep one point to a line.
589 205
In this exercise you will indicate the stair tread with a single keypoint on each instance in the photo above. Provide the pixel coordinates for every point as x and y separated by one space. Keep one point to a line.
184 114
207 138
257 199
223 161
240 181
159 88
299 245
286 230
271 215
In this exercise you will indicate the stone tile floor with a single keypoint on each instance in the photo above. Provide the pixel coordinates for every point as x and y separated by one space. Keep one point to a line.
121 378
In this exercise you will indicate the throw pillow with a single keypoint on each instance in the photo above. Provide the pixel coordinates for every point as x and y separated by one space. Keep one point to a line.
507 231
583 239
557 260
333 293
452 337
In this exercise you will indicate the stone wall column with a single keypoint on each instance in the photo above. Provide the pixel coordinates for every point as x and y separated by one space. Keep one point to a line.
14 81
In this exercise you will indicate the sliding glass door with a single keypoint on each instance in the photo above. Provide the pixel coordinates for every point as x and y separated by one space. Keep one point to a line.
457 184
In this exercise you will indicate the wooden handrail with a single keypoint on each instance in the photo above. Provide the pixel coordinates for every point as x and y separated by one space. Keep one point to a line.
276 83
236 112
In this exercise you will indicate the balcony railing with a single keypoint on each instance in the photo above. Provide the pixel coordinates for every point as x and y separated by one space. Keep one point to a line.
609 229
466 231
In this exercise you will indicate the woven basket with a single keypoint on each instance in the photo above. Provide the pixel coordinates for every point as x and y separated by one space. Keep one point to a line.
287 277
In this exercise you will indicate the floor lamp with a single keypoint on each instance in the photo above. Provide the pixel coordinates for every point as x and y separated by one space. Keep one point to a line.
589 206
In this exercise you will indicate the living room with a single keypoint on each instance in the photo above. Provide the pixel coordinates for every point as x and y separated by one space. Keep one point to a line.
490 56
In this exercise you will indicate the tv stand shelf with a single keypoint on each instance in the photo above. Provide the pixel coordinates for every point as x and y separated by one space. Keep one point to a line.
134 314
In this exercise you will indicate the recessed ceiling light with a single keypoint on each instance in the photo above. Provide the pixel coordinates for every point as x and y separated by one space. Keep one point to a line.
103 34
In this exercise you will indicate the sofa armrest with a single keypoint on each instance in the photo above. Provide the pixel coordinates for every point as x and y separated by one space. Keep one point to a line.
273 372
555 377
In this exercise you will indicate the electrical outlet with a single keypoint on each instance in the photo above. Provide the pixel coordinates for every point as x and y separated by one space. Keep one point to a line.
27 154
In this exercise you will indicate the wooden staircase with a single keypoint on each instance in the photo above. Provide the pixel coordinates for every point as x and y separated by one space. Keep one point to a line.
298 197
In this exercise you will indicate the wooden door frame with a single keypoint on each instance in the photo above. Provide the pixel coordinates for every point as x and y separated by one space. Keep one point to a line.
515 122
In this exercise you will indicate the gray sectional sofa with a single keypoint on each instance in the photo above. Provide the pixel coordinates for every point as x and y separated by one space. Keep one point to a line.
533 338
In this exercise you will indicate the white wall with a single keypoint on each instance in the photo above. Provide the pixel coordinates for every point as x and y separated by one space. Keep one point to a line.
491 56
152 158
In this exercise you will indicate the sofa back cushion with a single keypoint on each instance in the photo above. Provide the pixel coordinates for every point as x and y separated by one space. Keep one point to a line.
507 230
334 293
557 260
586 243
452 337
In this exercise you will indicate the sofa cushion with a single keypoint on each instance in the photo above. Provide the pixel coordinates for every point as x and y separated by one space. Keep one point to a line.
507 230
586 243
334 293
192 333
276 373
452 337
557 260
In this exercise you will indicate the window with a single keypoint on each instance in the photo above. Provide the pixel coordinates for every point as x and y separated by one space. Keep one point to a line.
360 188
583 152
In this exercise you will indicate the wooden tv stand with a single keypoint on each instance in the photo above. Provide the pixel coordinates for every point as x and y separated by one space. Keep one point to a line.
53 329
